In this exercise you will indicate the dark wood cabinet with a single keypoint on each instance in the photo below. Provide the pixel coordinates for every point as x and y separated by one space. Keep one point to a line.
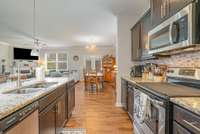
60 113
146 26
130 101
47 120
54 107
178 129
159 11
177 5
124 98
136 41
163 9
186 119
71 98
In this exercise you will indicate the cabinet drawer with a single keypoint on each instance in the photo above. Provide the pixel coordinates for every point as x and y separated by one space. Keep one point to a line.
187 119
178 129
48 99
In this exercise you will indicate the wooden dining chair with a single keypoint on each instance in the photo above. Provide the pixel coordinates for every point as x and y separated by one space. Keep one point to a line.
93 80
86 80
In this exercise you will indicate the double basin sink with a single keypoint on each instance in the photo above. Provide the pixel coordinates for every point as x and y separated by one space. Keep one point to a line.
32 88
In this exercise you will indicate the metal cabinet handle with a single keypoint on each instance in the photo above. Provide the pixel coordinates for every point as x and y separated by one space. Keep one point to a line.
191 125
157 102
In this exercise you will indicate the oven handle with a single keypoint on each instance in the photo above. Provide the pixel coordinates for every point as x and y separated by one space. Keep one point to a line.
191 125
157 102
170 34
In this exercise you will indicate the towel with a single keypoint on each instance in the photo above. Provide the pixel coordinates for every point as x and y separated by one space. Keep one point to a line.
145 108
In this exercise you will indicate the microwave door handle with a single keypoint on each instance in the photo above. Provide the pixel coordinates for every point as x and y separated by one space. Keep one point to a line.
170 34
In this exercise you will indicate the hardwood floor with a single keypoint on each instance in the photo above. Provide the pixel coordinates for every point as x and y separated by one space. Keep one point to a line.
96 112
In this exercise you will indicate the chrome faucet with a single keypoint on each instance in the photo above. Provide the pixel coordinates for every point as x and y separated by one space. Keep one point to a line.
19 83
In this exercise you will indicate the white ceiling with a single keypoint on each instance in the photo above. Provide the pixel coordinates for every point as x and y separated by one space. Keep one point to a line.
65 22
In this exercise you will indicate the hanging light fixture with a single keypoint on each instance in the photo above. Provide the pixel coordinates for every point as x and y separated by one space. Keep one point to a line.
36 50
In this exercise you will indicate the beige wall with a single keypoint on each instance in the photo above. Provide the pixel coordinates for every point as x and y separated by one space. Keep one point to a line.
123 51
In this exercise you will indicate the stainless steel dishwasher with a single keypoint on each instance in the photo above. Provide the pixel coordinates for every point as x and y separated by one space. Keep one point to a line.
24 121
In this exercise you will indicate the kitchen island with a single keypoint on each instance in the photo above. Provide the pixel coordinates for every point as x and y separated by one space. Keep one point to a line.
56 100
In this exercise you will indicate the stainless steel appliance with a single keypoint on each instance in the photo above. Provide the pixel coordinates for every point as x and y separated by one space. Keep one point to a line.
149 113
24 121
179 31
152 106
136 71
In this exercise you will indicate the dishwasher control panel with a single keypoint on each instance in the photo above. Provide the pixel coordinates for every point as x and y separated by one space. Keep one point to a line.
16 117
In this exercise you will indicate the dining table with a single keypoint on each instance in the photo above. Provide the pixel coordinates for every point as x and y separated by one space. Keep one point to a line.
98 76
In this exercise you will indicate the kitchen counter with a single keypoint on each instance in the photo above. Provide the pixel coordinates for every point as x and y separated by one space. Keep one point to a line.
190 103
164 89
136 80
10 103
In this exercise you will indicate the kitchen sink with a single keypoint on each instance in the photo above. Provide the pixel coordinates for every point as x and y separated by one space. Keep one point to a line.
32 88
43 85
24 91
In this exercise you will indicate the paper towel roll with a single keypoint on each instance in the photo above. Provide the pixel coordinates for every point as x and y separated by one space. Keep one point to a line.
40 74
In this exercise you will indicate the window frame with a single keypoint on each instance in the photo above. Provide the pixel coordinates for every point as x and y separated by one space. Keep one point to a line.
56 61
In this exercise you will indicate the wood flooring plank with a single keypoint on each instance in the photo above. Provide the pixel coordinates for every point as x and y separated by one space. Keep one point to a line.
96 112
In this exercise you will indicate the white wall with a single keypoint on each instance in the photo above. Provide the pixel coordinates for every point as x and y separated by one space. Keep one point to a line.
123 50
6 53
82 52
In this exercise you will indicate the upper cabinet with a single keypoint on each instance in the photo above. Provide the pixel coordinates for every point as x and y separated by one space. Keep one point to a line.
139 33
160 11
177 5
163 9
136 42
146 26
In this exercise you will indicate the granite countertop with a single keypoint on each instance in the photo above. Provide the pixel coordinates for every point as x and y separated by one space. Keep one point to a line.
10 103
187 101
190 103
136 80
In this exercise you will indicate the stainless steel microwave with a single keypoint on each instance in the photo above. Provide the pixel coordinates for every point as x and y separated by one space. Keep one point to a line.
179 31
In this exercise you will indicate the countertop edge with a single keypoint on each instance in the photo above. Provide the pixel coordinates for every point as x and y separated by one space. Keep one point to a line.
31 100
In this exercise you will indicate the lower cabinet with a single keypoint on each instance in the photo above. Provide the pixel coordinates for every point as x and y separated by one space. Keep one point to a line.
178 129
185 121
56 108
47 120
71 98
60 113
124 98
130 101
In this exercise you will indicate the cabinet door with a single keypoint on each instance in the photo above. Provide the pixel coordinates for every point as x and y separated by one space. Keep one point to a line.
136 47
177 5
124 98
130 102
69 95
177 129
47 119
146 26
71 100
60 113
160 11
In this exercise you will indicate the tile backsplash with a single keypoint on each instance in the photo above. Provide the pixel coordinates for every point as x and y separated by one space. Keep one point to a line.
181 60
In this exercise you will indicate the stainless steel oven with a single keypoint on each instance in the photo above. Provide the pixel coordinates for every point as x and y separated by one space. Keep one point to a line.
149 114
179 31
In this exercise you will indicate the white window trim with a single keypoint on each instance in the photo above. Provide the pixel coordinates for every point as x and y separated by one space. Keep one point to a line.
56 61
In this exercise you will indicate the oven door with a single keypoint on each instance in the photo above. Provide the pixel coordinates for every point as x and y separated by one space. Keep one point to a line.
155 116
149 114
174 33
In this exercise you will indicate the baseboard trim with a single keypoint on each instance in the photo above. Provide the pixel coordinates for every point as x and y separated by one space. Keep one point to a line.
118 104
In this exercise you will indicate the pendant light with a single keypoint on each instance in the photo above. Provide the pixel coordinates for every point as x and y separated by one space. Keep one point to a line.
35 51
